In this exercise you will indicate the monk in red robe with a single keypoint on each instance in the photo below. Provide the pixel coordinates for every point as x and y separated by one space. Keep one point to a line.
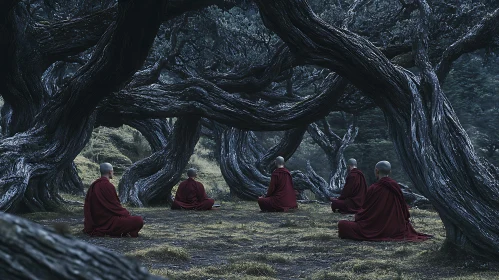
191 194
104 215
384 215
281 195
354 191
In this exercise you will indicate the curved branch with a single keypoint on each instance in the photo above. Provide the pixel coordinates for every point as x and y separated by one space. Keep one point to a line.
201 98
484 34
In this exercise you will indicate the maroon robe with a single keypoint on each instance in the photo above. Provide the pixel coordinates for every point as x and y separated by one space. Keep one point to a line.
383 217
281 195
191 195
353 194
104 215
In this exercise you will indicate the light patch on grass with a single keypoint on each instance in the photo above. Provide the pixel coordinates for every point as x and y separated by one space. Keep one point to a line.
319 236
274 258
238 270
331 275
162 253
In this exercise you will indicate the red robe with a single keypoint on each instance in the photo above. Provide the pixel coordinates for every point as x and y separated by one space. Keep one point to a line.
104 215
191 195
281 195
353 194
383 217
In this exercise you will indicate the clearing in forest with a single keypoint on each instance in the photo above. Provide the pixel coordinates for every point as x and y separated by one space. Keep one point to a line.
239 242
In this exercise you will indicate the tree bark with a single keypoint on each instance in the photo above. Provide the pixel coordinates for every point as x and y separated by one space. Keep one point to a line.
151 180
334 148
30 251
436 152
240 156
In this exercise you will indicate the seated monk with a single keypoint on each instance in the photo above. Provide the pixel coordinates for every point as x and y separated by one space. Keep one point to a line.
104 215
191 194
384 215
354 191
281 195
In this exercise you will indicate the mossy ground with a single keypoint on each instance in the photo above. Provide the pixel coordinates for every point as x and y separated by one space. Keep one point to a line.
239 242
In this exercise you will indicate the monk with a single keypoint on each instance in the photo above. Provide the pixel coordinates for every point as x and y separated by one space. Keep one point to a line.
281 195
104 215
191 194
384 215
354 191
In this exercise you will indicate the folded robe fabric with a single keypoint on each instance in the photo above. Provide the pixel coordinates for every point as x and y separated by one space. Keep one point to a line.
353 194
191 195
281 195
104 214
383 217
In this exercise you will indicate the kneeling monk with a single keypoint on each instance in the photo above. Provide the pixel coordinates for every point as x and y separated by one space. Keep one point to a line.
353 193
104 215
281 195
191 194
384 215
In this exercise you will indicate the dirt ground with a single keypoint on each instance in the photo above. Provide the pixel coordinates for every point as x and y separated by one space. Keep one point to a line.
239 242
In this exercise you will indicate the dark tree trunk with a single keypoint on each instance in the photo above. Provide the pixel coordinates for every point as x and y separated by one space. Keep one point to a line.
31 159
69 181
240 156
334 147
30 251
151 180
286 148
436 151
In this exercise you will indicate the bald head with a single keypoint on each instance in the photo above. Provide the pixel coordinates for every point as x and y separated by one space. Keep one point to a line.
279 161
106 169
351 164
383 169
192 172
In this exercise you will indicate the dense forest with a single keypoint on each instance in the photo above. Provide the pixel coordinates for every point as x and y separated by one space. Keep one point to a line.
147 85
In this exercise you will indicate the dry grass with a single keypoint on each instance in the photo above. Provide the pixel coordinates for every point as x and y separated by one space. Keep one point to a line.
161 253
239 242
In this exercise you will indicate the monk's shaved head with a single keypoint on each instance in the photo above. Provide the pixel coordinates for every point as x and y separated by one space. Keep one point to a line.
383 168
192 172
105 168
352 162
279 161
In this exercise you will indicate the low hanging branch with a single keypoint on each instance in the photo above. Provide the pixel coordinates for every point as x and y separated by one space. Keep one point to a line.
30 251
199 97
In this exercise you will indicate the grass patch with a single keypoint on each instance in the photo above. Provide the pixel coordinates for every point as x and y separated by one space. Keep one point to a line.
161 253
273 258
238 270
320 236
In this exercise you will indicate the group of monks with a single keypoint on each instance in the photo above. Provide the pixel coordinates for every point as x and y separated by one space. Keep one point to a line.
381 213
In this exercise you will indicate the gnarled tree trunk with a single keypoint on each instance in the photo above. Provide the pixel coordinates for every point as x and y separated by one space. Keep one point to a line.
151 180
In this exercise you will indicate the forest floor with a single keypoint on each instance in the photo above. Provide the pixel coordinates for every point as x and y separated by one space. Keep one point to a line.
239 242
